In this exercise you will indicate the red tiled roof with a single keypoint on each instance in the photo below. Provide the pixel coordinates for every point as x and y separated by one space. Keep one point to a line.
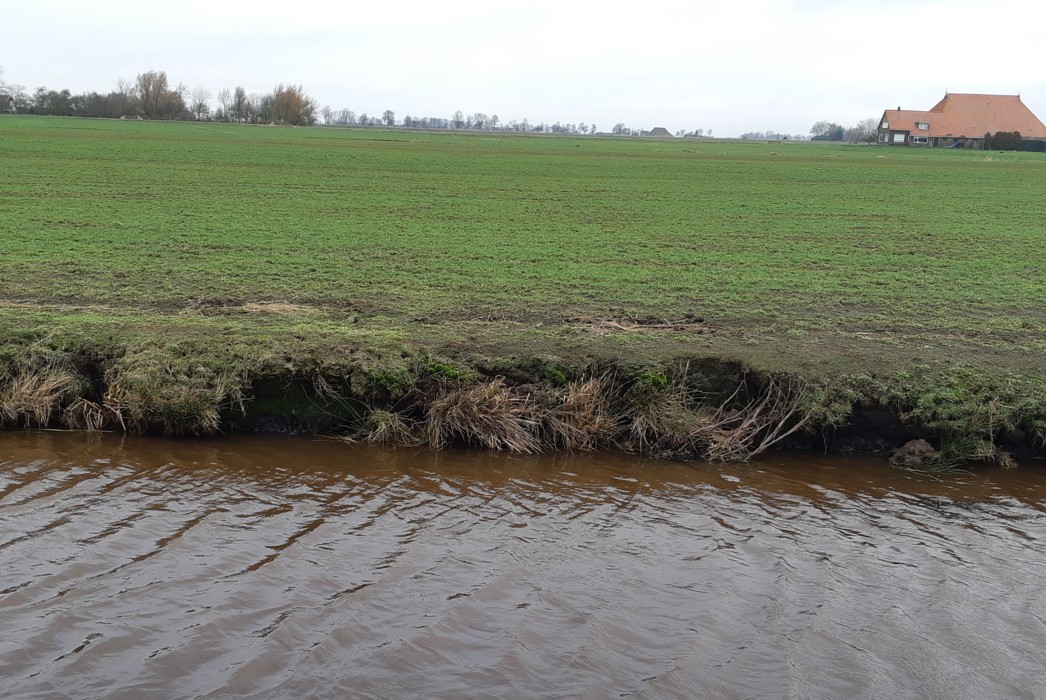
968 115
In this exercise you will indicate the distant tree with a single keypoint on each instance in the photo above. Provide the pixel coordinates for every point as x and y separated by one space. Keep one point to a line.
480 120
289 104
1003 141
494 120
458 119
224 105
618 129
199 97
389 117
241 105
827 131
363 119
863 131
156 99
328 114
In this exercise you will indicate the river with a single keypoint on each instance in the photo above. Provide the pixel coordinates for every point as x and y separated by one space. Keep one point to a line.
275 567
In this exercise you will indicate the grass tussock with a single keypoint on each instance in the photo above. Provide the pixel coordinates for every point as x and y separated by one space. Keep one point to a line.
488 414
581 415
390 428
160 402
33 399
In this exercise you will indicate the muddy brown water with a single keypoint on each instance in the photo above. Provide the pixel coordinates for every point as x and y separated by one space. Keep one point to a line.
304 568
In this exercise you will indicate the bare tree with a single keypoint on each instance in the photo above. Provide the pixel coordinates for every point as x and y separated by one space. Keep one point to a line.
458 119
156 98
864 130
224 105
199 97
389 117
328 114
241 105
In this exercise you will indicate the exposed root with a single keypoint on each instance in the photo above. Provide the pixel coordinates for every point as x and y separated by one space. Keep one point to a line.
739 435
733 433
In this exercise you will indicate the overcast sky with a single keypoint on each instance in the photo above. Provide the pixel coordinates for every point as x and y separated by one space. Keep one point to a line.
729 67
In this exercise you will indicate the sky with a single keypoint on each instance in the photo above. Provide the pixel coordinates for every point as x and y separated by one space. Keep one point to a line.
724 67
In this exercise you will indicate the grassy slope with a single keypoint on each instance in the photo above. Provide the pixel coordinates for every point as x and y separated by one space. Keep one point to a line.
132 236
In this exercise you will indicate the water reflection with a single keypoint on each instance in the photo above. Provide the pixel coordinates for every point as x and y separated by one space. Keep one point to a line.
276 567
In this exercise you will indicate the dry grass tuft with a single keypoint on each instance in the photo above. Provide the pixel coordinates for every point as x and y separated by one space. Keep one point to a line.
490 415
582 419
390 428
32 399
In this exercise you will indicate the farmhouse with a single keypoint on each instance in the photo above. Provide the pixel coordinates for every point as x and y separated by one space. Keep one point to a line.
659 131
959 121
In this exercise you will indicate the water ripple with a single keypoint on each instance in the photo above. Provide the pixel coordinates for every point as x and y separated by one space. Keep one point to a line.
290 568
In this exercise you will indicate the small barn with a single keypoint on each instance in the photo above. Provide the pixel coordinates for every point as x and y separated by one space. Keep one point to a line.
659 131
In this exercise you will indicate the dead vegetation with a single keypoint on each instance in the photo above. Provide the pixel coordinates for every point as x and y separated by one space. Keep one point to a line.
32 399
719 413
390 428
646 416
628 324
580 416
487 414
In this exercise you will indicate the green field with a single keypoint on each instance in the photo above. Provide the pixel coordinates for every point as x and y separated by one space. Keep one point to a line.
263 247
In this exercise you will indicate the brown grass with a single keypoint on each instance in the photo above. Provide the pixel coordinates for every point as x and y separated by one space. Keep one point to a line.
581 417
389 428
32 399
489 414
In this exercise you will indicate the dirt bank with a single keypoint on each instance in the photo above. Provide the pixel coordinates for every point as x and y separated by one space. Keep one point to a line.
687 409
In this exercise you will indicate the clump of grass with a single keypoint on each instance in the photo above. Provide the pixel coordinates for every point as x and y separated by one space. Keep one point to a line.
34 398
144 395
390 428
580 416
488 414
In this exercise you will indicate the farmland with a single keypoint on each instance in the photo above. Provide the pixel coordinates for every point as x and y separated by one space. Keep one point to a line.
260 251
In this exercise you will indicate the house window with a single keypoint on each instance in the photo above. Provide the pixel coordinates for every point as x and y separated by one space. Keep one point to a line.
882 138
886 125
922 125
898 138
918 139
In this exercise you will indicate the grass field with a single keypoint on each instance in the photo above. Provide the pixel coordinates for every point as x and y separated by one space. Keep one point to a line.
231 245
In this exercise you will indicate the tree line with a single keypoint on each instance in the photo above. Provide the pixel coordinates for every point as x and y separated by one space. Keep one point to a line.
864 130
152 96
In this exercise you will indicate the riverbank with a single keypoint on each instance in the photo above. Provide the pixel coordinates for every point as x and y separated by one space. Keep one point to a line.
692 408
679 298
